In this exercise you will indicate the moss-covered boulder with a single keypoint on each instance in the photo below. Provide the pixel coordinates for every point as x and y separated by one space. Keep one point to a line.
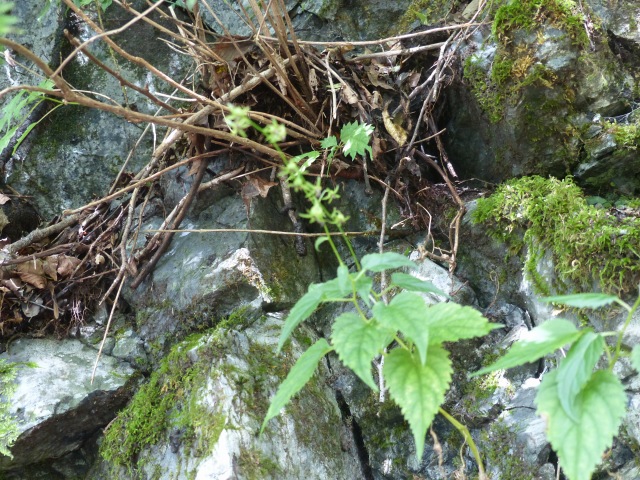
529 89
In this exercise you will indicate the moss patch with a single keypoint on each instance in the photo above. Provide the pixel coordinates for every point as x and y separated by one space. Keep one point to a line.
586 242
502 452
152 410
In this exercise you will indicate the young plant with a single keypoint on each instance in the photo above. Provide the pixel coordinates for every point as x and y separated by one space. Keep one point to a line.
408 332
583 406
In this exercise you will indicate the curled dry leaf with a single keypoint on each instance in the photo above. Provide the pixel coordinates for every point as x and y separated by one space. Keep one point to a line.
398 133
50 266
4 198
99 259
67 265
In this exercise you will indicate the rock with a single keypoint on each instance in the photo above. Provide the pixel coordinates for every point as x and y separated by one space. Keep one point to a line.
220 386
524 99
91 145
56 406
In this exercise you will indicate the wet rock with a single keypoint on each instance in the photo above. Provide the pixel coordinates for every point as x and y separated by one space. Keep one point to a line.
56 405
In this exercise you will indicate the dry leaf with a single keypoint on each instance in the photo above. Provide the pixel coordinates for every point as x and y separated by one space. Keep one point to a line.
32 272
99 259
255 186
313 84
4 198
396 131
50 266
349 95
67 265
32 308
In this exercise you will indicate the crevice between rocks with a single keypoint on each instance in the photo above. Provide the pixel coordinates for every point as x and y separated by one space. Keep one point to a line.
356 432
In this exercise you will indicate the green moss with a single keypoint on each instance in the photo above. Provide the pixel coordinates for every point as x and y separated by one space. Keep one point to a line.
626 135
254 465
152 410
586 242
8 425
499 446
530 14
426 11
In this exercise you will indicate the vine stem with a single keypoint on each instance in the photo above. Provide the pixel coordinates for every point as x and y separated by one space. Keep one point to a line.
464 431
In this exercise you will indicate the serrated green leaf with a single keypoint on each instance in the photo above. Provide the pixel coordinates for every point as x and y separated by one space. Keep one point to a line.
363 286
343 279
357 343
406 312
377 262
583 300
413 284
600 407
329 142
635 357
302 310
418 389
535 344
355 137
299 375
306 305
576 369
450 322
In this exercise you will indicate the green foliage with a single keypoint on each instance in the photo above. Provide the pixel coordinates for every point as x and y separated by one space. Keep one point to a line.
407 331
583 408
7 21
299 375
8 425
586 242
625 134
16 112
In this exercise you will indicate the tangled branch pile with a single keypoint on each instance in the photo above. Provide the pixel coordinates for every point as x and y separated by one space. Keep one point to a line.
311 88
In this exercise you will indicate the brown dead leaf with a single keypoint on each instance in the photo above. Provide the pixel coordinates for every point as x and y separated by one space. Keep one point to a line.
349 94
253 187
32 307
32 272
67 265
396 131
50 266
4 198
313 84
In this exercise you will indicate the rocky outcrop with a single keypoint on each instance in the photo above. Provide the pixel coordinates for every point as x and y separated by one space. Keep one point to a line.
59 404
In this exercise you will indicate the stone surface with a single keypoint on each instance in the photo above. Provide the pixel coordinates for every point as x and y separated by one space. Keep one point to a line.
238 373
56 405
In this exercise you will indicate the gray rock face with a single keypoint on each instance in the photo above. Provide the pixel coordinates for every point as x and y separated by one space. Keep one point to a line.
56 405
523 104
210 431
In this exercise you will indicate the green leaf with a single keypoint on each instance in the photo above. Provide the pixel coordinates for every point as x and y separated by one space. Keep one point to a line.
535 344
635 357
377 262
600 407
576 369
7 21
317 293
418 389
406 312
320 241
450 322
329 142
300 312
358 342
413 284
355 137
583 300
297 378
344 283
363 286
